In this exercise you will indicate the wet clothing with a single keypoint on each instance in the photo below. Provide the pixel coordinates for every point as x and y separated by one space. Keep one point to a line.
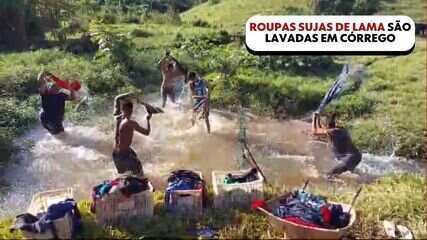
199 89
344 151
127 161
52 113
307 209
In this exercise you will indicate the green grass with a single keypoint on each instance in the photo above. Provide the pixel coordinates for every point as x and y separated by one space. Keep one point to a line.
161 35
231 15
396 197
415 9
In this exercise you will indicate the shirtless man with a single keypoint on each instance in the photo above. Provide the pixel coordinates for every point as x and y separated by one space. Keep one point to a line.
172 73
53 93
342 145
124 157
200 97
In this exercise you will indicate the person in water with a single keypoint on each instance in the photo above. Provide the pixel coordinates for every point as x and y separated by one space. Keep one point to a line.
200 97
343 148
124 157
54 92
173 75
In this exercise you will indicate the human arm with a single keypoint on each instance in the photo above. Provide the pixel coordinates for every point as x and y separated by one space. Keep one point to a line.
144 131
317 128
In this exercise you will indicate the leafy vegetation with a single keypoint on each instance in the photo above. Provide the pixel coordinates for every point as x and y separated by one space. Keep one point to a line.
398 197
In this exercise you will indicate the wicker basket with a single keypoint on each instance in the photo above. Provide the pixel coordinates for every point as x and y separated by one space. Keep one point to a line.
186 202
40 202
236 194
114 208
296 231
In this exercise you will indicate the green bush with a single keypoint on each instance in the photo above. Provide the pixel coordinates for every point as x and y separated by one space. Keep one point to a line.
352 106
140 33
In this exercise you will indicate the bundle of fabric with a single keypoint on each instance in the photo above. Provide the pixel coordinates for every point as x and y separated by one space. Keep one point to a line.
127 186
43 222
310 210
250 176
184 180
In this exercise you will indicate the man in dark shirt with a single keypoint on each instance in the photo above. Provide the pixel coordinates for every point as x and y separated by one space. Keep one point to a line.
342 145
54 92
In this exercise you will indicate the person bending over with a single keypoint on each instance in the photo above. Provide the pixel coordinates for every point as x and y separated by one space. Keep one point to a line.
124 157
343 148
53 93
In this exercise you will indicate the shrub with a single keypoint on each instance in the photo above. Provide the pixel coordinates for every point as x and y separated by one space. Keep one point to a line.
140 33
200 23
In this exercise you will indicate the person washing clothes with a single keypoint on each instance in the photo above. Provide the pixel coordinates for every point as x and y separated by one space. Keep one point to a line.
54 92
124 157
174 76
343 148
200 97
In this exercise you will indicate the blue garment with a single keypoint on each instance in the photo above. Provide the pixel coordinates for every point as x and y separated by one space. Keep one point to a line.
295 208
199 88
44 223
182 180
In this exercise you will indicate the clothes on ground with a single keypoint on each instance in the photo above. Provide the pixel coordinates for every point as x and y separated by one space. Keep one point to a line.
250 176
45 221
127 186
344 151
52 113
183 180
311 210
127 161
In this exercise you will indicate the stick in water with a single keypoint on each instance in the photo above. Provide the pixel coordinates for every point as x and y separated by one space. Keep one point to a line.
253 161
354 199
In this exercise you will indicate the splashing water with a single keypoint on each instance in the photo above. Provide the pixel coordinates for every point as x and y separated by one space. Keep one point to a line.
81 157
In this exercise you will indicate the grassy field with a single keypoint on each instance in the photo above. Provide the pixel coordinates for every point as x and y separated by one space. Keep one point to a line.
231 15
398 198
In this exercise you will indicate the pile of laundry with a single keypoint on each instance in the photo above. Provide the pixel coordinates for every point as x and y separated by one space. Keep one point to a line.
307 209
127 186
184 180
44 222
250 176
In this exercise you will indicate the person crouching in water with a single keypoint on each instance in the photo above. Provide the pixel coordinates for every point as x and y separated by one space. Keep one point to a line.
200 98
124 157
343 148
54 92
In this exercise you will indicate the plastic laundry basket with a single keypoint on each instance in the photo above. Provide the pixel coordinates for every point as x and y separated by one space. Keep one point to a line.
186 202
40 202
236 194
115 208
